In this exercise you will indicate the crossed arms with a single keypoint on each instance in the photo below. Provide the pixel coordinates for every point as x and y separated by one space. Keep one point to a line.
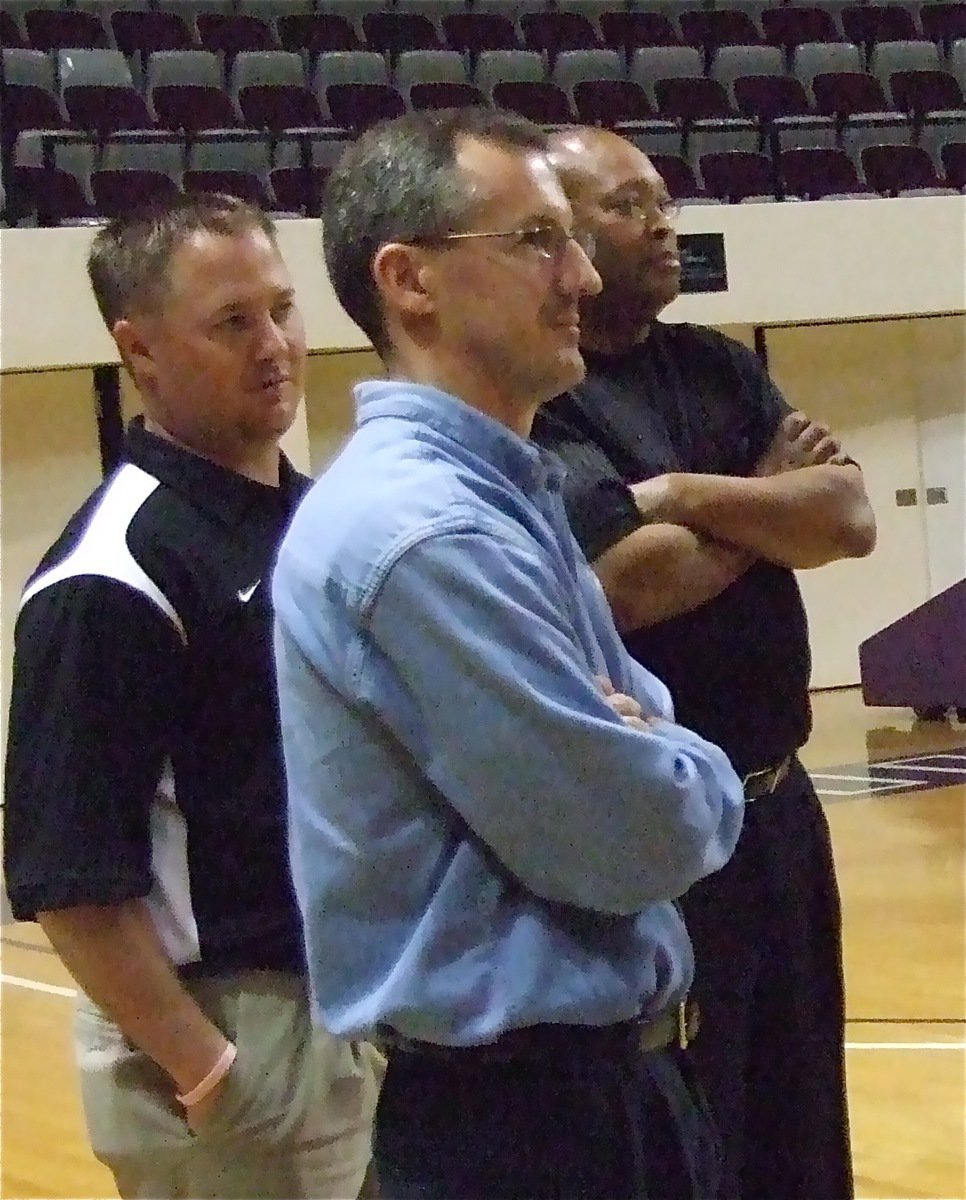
804 505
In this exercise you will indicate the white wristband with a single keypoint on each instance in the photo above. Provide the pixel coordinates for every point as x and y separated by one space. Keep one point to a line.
212 1079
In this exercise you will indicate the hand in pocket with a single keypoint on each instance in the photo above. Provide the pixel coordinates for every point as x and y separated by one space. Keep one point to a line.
199 1115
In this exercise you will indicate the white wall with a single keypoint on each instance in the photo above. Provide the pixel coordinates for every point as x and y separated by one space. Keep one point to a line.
867 380
42 271
822 260
49 461
328 402
894 389
832 260
939 349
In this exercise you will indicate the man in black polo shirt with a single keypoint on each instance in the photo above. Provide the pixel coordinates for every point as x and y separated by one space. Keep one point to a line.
696 491
145 820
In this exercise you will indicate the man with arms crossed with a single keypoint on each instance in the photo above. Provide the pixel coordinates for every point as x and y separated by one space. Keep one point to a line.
492 810
145 816
696 492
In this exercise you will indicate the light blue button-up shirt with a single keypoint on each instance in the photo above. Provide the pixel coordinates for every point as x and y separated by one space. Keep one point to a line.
478 842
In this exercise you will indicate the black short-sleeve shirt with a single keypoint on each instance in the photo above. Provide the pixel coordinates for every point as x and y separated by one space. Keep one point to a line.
143 755
690 399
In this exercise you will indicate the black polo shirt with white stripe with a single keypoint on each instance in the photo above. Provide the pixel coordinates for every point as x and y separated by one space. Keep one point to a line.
143 755
690 399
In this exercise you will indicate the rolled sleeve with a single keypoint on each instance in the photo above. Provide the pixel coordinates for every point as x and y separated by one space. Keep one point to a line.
601 510
600 506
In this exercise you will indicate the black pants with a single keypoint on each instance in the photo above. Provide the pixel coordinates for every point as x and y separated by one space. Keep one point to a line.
767 941
574 1127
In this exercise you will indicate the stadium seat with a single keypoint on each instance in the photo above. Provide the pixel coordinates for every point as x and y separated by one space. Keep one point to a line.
540 101
890 170
737 175
813 173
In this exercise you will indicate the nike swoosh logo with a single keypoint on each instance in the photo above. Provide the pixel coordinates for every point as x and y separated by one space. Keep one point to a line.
245 594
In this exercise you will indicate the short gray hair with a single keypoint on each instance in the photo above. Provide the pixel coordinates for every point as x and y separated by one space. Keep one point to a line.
399 183
130 257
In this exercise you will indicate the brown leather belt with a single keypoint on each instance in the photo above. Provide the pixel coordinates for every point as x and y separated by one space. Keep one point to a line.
764 782
676 1027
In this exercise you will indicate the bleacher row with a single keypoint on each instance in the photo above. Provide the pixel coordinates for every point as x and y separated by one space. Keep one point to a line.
105 103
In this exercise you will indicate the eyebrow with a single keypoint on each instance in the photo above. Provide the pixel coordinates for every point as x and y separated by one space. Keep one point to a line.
543 223
636 189
538 219
230 306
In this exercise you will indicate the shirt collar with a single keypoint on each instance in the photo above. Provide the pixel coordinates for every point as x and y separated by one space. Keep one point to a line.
226 495
525 463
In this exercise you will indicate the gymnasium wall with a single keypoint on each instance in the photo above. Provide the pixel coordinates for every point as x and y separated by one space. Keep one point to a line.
822 260
863 306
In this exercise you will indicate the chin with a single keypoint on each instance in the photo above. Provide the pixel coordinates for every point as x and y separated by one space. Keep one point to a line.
565 370
572 370
283 411
271 427
661 296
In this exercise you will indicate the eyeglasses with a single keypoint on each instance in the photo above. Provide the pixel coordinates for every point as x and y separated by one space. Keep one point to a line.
640 210
547 241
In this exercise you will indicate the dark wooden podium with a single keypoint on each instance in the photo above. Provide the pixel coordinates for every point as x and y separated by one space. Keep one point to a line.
919 661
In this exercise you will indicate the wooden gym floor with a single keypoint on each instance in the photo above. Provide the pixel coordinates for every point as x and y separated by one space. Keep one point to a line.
900 844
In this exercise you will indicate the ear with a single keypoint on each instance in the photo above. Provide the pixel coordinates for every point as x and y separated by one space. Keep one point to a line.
136 355
404 279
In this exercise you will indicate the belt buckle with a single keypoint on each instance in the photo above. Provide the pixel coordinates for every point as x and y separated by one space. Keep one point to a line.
779 773
746 782
689 1020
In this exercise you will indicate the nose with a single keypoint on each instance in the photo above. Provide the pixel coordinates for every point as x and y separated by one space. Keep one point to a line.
271 342
660 225
578 275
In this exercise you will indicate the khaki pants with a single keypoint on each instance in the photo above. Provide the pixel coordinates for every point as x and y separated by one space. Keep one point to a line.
295 1119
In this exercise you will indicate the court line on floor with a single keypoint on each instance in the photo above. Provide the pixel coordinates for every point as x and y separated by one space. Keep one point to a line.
905 1021
915 765
860 777
53 989
34 985
18 945
860 792
960 1046
896 775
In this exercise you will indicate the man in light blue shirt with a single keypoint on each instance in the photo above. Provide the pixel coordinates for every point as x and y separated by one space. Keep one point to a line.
491 809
